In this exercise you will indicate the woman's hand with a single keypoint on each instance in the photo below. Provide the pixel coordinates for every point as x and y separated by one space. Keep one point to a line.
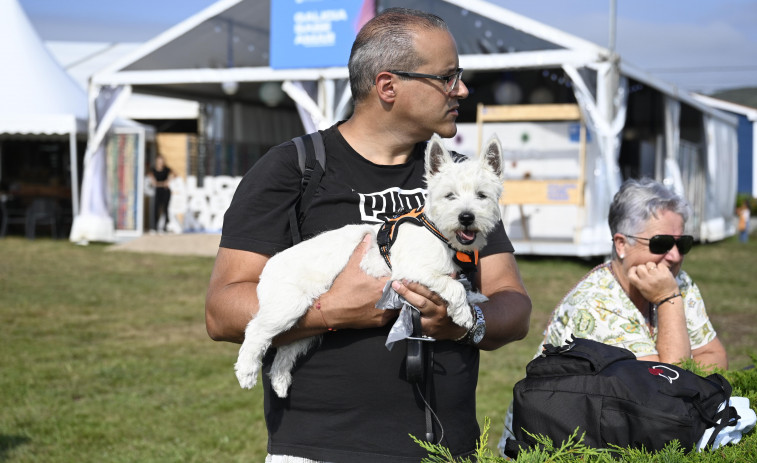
654 281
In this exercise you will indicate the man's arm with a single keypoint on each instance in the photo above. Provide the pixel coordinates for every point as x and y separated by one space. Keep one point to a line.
508 311
231 300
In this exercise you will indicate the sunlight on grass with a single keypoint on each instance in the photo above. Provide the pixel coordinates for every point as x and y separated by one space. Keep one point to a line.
105 355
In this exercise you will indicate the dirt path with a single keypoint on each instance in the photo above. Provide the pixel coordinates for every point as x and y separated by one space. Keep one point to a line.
187 244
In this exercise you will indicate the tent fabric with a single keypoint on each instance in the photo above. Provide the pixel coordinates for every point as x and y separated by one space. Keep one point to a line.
672 143
747 140
38 96
235 39
82 59
319 104
721 179
608 132
94 221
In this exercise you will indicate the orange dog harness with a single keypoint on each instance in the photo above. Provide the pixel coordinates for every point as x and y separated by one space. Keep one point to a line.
387 235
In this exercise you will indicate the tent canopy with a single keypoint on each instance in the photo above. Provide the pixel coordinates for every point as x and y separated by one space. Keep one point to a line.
38 96
229 42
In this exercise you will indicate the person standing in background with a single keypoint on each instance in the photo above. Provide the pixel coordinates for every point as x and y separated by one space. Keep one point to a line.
744 215
161 176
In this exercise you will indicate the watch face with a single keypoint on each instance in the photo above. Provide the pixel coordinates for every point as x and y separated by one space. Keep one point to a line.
478 333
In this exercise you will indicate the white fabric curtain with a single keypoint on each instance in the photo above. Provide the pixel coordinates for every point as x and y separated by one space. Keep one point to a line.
722 146
608 131
93 222
603 172
320 103
672 174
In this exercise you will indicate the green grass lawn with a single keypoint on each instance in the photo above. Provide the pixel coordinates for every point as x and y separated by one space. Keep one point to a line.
105 356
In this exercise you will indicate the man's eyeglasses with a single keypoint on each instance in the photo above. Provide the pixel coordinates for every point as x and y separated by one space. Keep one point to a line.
661 244
450 81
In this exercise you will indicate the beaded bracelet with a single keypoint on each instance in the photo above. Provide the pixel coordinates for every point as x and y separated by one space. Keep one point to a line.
318 308
668 299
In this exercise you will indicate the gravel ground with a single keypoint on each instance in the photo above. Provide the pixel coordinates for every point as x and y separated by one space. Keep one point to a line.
187 244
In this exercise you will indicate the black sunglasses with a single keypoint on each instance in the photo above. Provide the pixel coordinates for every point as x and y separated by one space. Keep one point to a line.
661 244
450 81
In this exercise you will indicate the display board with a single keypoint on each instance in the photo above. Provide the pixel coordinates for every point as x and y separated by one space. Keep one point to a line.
315 33
125 173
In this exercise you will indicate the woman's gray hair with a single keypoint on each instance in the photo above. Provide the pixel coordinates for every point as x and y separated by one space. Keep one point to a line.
637 201
387 42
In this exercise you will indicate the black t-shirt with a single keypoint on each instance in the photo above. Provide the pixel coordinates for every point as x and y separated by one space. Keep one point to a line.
162 174
349 399
163 192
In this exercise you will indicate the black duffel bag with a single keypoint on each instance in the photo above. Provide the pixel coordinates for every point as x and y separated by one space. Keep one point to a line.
615 399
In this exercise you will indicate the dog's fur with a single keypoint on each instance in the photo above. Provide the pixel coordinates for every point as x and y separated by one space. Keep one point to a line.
462 202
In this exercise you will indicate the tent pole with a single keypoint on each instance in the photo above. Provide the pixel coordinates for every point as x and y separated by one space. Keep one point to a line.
74 161
613 19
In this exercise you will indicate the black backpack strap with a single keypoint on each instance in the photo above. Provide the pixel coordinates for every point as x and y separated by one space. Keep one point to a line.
311 156
728 416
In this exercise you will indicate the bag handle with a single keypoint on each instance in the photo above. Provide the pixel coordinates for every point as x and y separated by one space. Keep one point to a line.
560 360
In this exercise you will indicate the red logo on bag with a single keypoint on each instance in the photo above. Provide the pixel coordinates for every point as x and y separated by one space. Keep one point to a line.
661 370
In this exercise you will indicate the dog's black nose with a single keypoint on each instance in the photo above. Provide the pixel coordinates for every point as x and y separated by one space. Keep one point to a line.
466 218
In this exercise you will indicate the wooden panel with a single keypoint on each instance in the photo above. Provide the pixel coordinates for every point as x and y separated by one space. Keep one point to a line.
542 192
511 113
173 147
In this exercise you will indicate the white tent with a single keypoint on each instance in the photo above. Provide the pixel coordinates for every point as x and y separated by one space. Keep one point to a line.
37 97
226 47
747 140
81 59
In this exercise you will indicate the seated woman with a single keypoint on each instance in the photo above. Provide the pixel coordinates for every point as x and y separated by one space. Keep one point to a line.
641 299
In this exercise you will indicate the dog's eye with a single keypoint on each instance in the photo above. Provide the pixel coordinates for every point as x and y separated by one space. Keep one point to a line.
450 196
481 195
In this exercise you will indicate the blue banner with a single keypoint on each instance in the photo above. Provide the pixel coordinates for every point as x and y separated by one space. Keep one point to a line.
315 33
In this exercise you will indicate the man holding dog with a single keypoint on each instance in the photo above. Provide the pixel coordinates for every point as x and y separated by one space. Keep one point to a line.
349 400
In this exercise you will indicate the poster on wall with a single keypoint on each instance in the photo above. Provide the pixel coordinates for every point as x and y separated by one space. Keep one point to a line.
125 171
315 33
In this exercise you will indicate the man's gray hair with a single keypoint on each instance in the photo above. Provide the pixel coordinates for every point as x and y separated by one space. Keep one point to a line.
637 201
386 43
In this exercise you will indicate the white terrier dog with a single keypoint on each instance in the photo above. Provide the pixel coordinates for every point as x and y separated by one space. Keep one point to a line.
463 204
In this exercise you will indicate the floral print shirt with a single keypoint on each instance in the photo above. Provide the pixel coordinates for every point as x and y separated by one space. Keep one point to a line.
598 308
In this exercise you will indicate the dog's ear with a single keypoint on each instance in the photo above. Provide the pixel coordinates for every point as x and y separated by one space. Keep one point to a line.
492 155
436 155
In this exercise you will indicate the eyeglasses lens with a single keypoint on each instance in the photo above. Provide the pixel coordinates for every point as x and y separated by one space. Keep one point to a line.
661 244
684 244
452 82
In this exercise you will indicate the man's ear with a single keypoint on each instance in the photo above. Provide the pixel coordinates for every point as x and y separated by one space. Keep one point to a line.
385 87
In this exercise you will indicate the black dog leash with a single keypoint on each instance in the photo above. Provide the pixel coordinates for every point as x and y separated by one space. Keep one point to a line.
419 369
419 362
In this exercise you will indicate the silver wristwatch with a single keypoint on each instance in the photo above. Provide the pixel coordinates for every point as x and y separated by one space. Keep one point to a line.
478 330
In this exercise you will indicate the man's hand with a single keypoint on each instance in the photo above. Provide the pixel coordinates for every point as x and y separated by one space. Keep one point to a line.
351 300
435 322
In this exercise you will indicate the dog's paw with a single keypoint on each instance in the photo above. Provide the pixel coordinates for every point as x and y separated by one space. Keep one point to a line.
462 315
246 376
280 383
